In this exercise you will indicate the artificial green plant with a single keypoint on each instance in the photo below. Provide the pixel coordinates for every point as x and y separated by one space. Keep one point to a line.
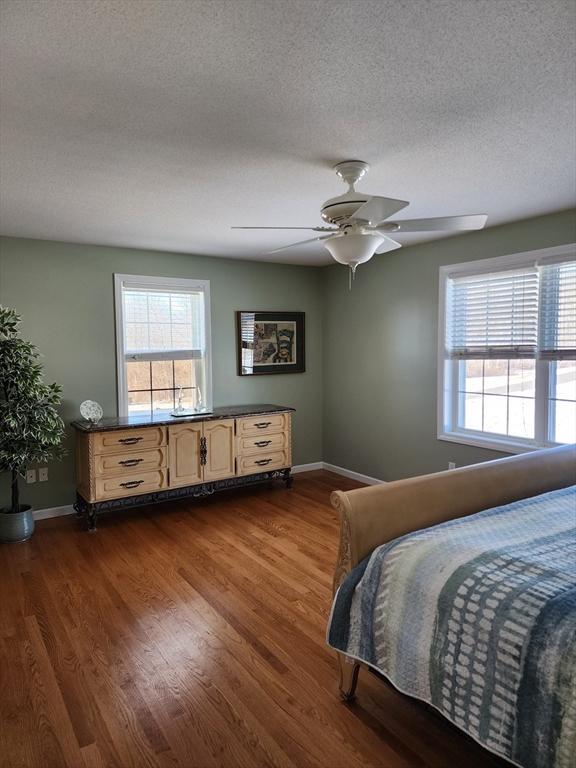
30 428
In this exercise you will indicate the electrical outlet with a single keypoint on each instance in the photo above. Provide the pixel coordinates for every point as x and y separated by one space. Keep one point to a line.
30 475
451 465
43 474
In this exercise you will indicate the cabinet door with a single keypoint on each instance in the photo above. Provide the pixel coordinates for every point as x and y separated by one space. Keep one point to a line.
219 449
184 453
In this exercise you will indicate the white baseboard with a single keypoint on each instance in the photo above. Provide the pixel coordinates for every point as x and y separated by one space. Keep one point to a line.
352 475
337 470
44 514
307 467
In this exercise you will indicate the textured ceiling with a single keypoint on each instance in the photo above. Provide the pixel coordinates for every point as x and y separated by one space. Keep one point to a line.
160 123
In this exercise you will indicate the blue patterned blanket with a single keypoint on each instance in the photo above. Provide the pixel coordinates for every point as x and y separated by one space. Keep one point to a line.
477 617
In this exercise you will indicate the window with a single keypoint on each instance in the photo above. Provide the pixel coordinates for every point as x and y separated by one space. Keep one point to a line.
507 351
163 343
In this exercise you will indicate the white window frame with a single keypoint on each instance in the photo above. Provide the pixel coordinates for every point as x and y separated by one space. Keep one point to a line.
447 402
159 283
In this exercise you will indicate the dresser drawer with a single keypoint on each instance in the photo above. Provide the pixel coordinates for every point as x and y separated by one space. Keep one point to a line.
130 485
129 462
248 446
262 425
250 465
121 441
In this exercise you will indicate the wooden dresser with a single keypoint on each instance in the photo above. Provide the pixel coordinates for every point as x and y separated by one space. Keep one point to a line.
126 462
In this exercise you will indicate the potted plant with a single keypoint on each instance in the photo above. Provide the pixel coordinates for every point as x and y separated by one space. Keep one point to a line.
30 428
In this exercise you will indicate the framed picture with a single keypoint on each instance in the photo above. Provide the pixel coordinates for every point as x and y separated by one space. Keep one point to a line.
269 342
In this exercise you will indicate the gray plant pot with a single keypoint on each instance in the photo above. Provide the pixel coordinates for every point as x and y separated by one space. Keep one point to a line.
16 526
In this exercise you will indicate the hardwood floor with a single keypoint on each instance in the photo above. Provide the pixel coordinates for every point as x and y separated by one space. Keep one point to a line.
192 635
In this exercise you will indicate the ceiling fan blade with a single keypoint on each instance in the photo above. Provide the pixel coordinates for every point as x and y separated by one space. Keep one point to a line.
313 229
453 223
301 242
377 209
388 245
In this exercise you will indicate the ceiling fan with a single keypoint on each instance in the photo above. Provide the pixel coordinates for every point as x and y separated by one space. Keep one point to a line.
360 226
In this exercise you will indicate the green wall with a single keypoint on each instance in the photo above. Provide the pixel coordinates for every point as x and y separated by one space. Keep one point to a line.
367 401
380 350
65 295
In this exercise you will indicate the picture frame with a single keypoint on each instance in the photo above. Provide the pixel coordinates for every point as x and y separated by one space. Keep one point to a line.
269 342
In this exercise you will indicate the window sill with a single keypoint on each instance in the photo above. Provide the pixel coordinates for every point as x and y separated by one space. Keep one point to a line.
491 443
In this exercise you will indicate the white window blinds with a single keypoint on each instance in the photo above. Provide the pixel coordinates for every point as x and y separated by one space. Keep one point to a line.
493 315
557 339
162 324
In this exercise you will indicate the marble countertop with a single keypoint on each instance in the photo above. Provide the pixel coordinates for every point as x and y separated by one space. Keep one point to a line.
160 419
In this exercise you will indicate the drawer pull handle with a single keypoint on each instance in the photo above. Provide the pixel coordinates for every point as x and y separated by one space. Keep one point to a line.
263 461
262 443
132 484
130 462
262 424
130 440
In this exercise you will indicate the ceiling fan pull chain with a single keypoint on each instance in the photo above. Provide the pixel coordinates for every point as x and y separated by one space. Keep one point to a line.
351 275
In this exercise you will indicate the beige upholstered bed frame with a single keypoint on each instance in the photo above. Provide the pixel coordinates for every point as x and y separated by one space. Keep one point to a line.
379 513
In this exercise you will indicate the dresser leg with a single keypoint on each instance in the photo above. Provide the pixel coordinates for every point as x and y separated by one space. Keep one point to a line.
92 521
288 479
79 508
84 511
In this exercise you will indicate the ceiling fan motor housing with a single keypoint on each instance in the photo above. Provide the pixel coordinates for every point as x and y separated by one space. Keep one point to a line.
339 209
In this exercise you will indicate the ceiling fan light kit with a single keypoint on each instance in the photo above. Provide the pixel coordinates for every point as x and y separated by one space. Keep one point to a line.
359 221
353 248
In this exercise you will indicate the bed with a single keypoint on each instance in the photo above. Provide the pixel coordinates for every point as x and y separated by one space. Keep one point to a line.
460 588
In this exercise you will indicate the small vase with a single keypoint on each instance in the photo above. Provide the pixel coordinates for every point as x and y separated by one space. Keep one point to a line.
16 526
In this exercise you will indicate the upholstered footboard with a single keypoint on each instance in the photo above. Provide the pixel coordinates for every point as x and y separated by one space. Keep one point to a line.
375 515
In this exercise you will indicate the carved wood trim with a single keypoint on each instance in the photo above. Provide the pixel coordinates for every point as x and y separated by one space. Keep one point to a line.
344 561
92 467
288 432
84 507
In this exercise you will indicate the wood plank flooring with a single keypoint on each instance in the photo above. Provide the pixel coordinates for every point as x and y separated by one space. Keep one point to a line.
192 635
